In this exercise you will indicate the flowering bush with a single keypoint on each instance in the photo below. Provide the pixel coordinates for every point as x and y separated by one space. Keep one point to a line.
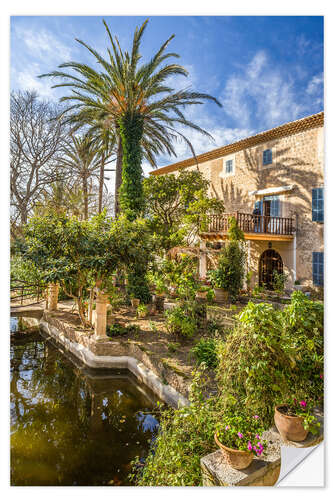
242 432
297 407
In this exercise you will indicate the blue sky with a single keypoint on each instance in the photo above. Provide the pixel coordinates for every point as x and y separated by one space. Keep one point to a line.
265 70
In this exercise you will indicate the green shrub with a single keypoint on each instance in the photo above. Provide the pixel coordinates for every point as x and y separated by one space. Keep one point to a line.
185 436
253 367
303 322
272 354
180 322
279 281
205 352
229 274
118 330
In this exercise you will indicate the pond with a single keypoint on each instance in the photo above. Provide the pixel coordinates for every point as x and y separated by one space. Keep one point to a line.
71 425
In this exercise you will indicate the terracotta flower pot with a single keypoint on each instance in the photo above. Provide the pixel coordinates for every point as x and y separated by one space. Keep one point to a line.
237 459
135 302
290 428
221 295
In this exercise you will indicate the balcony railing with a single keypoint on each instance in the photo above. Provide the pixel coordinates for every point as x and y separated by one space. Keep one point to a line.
250 223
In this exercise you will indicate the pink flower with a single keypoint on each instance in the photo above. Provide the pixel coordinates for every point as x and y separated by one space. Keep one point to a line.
255 416
257 436
249 446
321 375
240 435
227 427
303 404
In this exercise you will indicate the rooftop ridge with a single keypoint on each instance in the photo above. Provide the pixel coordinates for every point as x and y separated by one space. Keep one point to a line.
308 122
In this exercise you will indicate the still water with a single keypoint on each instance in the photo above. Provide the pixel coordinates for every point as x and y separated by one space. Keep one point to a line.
71 425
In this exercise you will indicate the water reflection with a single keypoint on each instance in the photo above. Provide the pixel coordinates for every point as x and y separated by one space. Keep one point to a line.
72 426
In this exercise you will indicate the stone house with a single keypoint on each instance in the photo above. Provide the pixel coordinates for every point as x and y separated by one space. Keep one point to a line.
273 183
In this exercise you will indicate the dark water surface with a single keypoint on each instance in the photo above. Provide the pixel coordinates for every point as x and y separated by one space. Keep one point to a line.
71 425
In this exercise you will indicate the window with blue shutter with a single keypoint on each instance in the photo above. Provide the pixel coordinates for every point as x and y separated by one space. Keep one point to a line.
318 268
267 157
229 166
318 204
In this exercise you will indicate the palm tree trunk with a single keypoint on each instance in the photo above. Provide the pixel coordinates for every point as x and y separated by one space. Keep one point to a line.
119 168
85 194
101 185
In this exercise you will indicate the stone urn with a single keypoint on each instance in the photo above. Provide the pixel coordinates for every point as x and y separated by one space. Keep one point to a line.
221 295
237 459
290 427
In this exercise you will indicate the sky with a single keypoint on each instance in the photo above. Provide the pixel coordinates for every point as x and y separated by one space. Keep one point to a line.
265 71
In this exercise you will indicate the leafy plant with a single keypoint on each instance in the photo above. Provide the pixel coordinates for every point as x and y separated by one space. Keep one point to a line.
181 321
119 330
241 431
297 282
205 352
229 274
142 311
177 206
279 281
234 232
253 367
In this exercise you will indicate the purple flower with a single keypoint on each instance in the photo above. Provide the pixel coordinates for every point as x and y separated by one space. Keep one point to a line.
240 435
249 446
227 427
303 404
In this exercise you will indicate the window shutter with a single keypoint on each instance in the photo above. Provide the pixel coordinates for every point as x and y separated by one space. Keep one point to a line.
318 268
267 157
318 205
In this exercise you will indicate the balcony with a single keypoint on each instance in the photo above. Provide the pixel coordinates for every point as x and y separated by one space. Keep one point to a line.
254 227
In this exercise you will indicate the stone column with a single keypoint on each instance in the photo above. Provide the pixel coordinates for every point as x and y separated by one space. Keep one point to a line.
100 321
53 292
202 260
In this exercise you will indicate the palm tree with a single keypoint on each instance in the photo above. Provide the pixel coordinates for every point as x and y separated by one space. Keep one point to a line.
136 103
82 158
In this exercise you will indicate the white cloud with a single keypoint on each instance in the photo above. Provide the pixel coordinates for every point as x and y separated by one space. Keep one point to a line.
315 85
43 45
259 96
27 80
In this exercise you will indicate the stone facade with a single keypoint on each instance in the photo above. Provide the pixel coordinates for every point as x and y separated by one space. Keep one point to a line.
297 167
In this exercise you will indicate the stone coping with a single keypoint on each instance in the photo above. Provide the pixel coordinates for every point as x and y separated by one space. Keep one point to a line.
84 351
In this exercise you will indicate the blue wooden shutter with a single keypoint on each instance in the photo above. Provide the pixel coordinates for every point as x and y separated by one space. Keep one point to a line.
318 204
318 268
267 157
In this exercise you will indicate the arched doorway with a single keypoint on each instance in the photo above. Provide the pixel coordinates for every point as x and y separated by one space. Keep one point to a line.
268 262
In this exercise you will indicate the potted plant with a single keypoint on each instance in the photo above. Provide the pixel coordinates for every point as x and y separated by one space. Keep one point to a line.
219 284
294 420
142 311
239 437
